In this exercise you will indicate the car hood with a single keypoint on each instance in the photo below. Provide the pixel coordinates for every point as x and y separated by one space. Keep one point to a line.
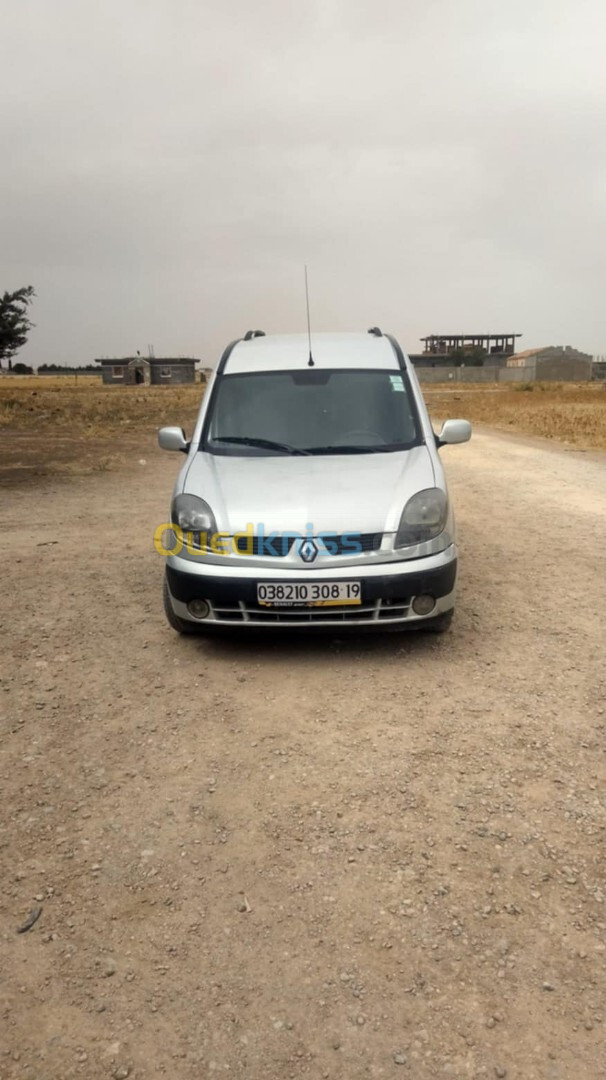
330 493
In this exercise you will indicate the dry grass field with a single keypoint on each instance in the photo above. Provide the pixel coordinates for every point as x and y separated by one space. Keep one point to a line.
64 425
51 426
571 413
50 403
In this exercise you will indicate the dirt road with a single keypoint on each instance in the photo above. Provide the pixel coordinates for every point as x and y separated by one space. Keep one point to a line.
364 857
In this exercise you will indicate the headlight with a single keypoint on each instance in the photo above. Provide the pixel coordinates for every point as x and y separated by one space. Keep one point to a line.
423 518
193 515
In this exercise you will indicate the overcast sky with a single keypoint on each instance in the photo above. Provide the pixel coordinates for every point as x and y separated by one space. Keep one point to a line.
168 166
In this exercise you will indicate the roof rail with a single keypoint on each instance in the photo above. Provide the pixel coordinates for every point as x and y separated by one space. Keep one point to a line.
250 334
226 355
376 331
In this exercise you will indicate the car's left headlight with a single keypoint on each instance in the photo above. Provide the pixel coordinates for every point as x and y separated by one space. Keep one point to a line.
195 518
423 518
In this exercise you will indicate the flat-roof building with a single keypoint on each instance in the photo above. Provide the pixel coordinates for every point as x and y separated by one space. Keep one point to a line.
148 370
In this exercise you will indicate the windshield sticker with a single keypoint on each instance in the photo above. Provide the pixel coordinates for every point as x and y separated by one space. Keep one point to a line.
396 382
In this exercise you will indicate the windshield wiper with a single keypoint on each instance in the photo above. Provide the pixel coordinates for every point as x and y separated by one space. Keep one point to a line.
349 449
262 444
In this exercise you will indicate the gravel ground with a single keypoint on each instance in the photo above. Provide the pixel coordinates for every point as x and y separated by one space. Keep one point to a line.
336 858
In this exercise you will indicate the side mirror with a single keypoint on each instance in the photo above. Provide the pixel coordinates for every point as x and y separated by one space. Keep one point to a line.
172 438
454 431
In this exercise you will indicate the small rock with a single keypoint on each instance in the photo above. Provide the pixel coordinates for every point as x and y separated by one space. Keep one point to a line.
548 986
121 1072
109 967
500 1070
400 1059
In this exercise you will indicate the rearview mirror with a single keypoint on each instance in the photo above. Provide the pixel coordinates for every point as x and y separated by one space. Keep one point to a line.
172 438
454 431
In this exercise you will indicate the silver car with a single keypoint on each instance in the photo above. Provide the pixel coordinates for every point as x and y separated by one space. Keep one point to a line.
312 495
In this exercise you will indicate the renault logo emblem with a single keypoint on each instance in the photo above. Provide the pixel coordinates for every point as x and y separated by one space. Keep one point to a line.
308 550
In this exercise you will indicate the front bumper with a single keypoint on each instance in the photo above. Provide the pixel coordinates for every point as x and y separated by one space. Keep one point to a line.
388 590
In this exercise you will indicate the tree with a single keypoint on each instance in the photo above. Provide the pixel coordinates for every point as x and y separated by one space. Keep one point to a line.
468 357
22 369
14 322
69 370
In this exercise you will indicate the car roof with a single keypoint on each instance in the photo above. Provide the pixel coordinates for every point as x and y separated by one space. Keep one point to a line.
287 351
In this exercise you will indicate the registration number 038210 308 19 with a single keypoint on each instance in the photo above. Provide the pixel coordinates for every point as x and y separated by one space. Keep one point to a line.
309 594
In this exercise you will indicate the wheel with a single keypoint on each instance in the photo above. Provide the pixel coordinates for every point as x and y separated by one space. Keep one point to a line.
180 625
440 624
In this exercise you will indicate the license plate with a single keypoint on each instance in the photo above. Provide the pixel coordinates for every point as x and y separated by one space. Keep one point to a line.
309 594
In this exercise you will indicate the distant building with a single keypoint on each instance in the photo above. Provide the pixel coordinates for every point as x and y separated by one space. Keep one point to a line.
557 363
149 370
440 349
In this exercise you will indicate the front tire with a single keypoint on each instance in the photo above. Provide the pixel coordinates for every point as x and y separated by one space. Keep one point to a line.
182 626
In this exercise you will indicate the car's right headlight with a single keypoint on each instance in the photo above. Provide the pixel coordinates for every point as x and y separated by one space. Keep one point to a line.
193 515
423 518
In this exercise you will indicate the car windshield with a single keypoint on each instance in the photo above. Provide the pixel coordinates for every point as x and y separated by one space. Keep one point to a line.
311 411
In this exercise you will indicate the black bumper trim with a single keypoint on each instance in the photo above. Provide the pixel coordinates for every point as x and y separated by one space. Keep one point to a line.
228 591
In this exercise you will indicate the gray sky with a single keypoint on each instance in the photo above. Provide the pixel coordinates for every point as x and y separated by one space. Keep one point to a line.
170 165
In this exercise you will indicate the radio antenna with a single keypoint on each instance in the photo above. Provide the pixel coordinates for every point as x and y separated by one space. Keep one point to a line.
310 362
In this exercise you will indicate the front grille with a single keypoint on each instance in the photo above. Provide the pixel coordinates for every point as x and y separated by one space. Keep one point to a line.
379 611
344 545
279 546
